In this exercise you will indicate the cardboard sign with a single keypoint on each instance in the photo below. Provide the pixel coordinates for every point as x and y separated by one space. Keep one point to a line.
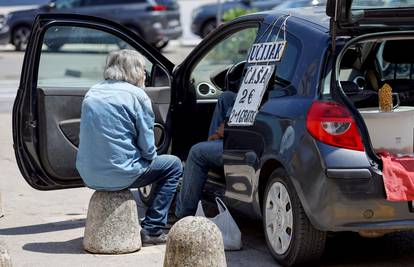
250 95
266 52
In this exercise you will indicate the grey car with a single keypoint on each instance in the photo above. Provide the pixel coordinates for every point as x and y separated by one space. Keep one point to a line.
204 18
156 21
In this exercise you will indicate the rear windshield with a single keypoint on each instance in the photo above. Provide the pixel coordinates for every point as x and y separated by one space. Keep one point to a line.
366 4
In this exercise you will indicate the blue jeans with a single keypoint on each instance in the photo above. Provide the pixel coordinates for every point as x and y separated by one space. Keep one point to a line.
202 157
225 102
164 172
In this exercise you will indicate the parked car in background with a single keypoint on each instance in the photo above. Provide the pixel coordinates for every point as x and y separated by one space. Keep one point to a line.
300 3
156 21
306 165
8 6
204 18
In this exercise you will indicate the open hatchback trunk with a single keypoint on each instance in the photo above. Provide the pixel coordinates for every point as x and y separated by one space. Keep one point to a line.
378 51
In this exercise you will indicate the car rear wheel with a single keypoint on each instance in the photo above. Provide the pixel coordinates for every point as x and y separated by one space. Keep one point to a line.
290 236
20 37
146 194
208 27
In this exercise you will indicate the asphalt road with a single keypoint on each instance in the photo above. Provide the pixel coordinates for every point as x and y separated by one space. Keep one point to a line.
46 228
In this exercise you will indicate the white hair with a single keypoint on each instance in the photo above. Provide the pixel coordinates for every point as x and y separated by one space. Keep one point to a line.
125 65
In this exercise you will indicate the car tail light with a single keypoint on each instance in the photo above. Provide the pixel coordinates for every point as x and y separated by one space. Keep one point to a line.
159 8
332 124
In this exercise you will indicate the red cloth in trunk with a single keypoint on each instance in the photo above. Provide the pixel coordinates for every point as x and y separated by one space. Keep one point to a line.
398 176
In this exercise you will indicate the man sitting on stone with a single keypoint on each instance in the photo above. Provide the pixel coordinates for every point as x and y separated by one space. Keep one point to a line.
203 157
117 149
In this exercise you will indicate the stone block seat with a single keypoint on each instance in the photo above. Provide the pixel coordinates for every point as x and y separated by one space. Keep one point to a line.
112 225
195 241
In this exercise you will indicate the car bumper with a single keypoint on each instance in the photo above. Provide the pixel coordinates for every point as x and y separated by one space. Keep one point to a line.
173 33
160 32
355 200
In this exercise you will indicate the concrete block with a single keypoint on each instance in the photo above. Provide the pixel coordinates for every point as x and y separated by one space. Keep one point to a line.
112 225
5 259
195 241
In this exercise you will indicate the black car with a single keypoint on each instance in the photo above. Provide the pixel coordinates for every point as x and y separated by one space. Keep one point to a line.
156 21
204 18
305 163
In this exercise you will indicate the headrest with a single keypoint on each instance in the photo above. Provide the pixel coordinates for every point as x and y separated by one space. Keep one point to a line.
399 51
349 58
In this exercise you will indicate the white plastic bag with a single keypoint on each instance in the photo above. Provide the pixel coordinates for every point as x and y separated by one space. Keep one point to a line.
228 227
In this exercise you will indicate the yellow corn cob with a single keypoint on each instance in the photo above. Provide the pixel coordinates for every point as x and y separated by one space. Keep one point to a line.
385 98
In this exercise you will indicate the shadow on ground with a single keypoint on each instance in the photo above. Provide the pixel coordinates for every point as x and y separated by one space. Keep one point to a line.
66 247
43 228
349 249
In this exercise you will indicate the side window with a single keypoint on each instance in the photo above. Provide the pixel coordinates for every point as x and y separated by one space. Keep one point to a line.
208 75
285 69
390 70
76 56
66 4
287 66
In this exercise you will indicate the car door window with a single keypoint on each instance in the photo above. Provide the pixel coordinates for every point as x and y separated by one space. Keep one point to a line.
76 56
207 76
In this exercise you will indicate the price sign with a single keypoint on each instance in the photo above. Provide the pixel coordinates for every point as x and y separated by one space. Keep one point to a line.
250 95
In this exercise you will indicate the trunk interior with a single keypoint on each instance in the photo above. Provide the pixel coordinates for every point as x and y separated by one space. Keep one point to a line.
377 76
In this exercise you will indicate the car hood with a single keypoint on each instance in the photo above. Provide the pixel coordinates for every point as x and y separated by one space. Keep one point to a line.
9 9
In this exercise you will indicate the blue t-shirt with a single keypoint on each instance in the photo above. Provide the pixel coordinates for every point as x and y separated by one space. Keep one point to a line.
116 135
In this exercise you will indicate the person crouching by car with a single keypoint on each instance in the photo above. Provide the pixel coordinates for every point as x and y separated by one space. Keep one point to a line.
117 149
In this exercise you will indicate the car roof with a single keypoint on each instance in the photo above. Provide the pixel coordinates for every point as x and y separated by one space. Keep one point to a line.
308 17
315 15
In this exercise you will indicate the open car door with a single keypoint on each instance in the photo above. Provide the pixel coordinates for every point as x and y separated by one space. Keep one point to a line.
355 17
66 55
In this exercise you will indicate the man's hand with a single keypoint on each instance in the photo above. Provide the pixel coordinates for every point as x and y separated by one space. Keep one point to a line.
219 134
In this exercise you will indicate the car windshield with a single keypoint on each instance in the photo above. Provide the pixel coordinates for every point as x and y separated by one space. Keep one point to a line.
366 4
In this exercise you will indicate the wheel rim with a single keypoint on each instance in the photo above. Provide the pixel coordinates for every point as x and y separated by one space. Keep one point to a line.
146 191
20 37
279 218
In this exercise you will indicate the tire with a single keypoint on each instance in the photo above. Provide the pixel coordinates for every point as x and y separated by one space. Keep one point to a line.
146 194
283 210
20 37
208 27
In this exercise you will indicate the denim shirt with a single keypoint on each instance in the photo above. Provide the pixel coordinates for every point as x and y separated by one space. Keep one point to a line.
116 135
